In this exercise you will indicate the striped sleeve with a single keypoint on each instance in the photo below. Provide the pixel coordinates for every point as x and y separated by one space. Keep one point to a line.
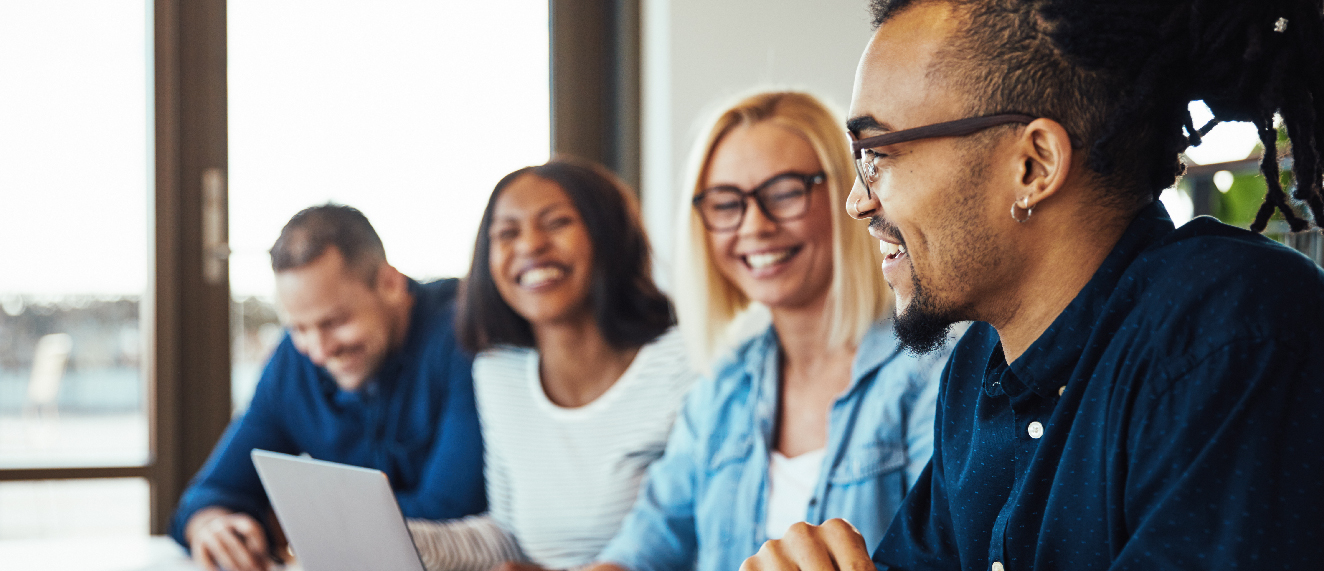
474 543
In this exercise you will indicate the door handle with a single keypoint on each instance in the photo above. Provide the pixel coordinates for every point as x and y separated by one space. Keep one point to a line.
215 249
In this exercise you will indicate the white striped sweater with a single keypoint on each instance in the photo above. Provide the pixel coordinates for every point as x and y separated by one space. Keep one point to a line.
559 480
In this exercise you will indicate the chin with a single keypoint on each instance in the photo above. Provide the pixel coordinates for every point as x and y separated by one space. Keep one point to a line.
351 383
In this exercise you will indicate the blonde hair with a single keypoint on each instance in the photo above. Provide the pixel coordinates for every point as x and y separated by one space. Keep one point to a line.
707 303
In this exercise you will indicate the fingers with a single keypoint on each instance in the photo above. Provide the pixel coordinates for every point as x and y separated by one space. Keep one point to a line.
201 557
252 535
835 545
233 542
846 546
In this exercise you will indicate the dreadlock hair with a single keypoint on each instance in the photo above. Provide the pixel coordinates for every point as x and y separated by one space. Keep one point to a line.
1118 76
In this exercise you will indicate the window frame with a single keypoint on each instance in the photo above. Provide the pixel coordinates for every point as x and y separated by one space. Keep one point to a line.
187 317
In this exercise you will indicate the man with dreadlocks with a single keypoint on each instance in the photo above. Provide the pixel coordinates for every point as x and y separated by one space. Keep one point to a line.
1136 396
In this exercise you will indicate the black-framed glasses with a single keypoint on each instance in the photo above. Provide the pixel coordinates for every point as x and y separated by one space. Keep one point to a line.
782 198
866 165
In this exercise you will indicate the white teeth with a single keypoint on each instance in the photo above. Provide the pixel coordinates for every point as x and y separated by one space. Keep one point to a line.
763 260
539 276
890 250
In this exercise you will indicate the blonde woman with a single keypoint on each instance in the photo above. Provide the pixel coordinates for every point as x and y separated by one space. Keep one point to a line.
821 415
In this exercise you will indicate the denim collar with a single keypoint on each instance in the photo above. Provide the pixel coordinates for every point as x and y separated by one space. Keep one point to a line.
762 358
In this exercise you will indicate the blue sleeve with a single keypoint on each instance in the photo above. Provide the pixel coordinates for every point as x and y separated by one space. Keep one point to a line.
228 478
1223 462
920 536
451 482
659 532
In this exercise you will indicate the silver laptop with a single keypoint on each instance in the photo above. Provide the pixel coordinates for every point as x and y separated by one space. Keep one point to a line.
337 517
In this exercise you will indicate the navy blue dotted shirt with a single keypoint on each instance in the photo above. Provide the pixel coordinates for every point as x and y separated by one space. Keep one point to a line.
1172 417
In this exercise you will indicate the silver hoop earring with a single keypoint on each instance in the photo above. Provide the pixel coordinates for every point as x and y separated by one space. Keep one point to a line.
1029 210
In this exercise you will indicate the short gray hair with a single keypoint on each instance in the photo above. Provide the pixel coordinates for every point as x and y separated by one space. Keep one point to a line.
314 229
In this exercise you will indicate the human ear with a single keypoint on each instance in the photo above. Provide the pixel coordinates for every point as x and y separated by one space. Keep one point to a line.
1044 156
390 283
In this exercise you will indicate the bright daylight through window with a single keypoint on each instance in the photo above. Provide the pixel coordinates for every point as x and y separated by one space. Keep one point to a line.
409 110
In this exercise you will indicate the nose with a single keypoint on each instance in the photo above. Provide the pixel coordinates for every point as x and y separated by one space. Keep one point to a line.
755 221
315 345
861 204
531 240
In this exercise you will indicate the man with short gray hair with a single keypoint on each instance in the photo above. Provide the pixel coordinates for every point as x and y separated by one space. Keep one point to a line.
369 374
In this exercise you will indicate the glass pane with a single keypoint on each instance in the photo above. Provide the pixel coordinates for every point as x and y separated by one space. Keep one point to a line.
75 164
408 110
63 508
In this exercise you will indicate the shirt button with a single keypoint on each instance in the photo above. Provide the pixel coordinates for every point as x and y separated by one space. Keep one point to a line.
997 566
1061 390
1036 430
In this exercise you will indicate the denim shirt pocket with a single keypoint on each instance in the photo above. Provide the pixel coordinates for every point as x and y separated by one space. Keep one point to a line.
869 462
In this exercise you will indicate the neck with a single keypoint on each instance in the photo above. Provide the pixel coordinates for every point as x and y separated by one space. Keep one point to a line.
804 333
402 320
577 364
1064 252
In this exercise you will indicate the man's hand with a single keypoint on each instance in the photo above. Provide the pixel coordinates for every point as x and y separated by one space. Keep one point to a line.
835 545
222 539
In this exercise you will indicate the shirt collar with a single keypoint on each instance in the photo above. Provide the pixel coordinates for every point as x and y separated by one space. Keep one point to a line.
878 346
1048 362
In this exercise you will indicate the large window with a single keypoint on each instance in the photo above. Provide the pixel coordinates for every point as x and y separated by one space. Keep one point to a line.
409 111
111 114
75 189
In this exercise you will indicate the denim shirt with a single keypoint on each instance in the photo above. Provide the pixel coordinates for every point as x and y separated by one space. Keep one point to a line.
706 498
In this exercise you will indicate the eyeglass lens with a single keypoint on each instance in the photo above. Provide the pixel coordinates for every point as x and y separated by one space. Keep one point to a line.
782 199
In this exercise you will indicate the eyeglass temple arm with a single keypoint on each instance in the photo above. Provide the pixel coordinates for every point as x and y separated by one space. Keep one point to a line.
948 129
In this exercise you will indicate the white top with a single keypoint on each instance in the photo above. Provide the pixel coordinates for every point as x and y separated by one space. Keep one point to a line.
559 480
790 486
562 479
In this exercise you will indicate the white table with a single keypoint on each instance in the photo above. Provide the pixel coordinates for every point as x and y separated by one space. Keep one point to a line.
130 553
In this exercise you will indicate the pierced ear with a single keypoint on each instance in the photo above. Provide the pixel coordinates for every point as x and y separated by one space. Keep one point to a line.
1046 155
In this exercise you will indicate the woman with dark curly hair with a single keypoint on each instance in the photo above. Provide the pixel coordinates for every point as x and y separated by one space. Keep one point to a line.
578 374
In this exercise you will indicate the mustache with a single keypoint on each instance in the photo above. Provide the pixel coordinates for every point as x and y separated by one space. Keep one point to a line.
879 226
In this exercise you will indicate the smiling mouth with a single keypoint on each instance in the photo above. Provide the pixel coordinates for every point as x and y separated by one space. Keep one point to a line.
763 260
540 276
892 251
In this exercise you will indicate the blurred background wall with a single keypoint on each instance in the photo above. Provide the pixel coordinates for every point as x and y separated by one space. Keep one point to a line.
698 54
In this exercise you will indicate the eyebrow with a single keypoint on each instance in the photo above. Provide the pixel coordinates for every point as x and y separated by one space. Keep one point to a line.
866 122
539 214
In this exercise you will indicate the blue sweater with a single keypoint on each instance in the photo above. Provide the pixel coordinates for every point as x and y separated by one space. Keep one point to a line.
416 421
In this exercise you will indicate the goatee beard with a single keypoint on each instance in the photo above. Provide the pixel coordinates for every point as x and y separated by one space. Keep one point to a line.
922 328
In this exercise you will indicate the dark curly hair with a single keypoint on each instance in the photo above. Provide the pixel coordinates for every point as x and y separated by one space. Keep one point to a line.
627 305
1119 75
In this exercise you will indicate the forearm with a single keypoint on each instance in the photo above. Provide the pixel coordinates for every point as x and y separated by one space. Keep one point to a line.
474 543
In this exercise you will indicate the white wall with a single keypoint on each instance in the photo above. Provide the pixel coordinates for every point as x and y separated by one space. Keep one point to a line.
697 54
